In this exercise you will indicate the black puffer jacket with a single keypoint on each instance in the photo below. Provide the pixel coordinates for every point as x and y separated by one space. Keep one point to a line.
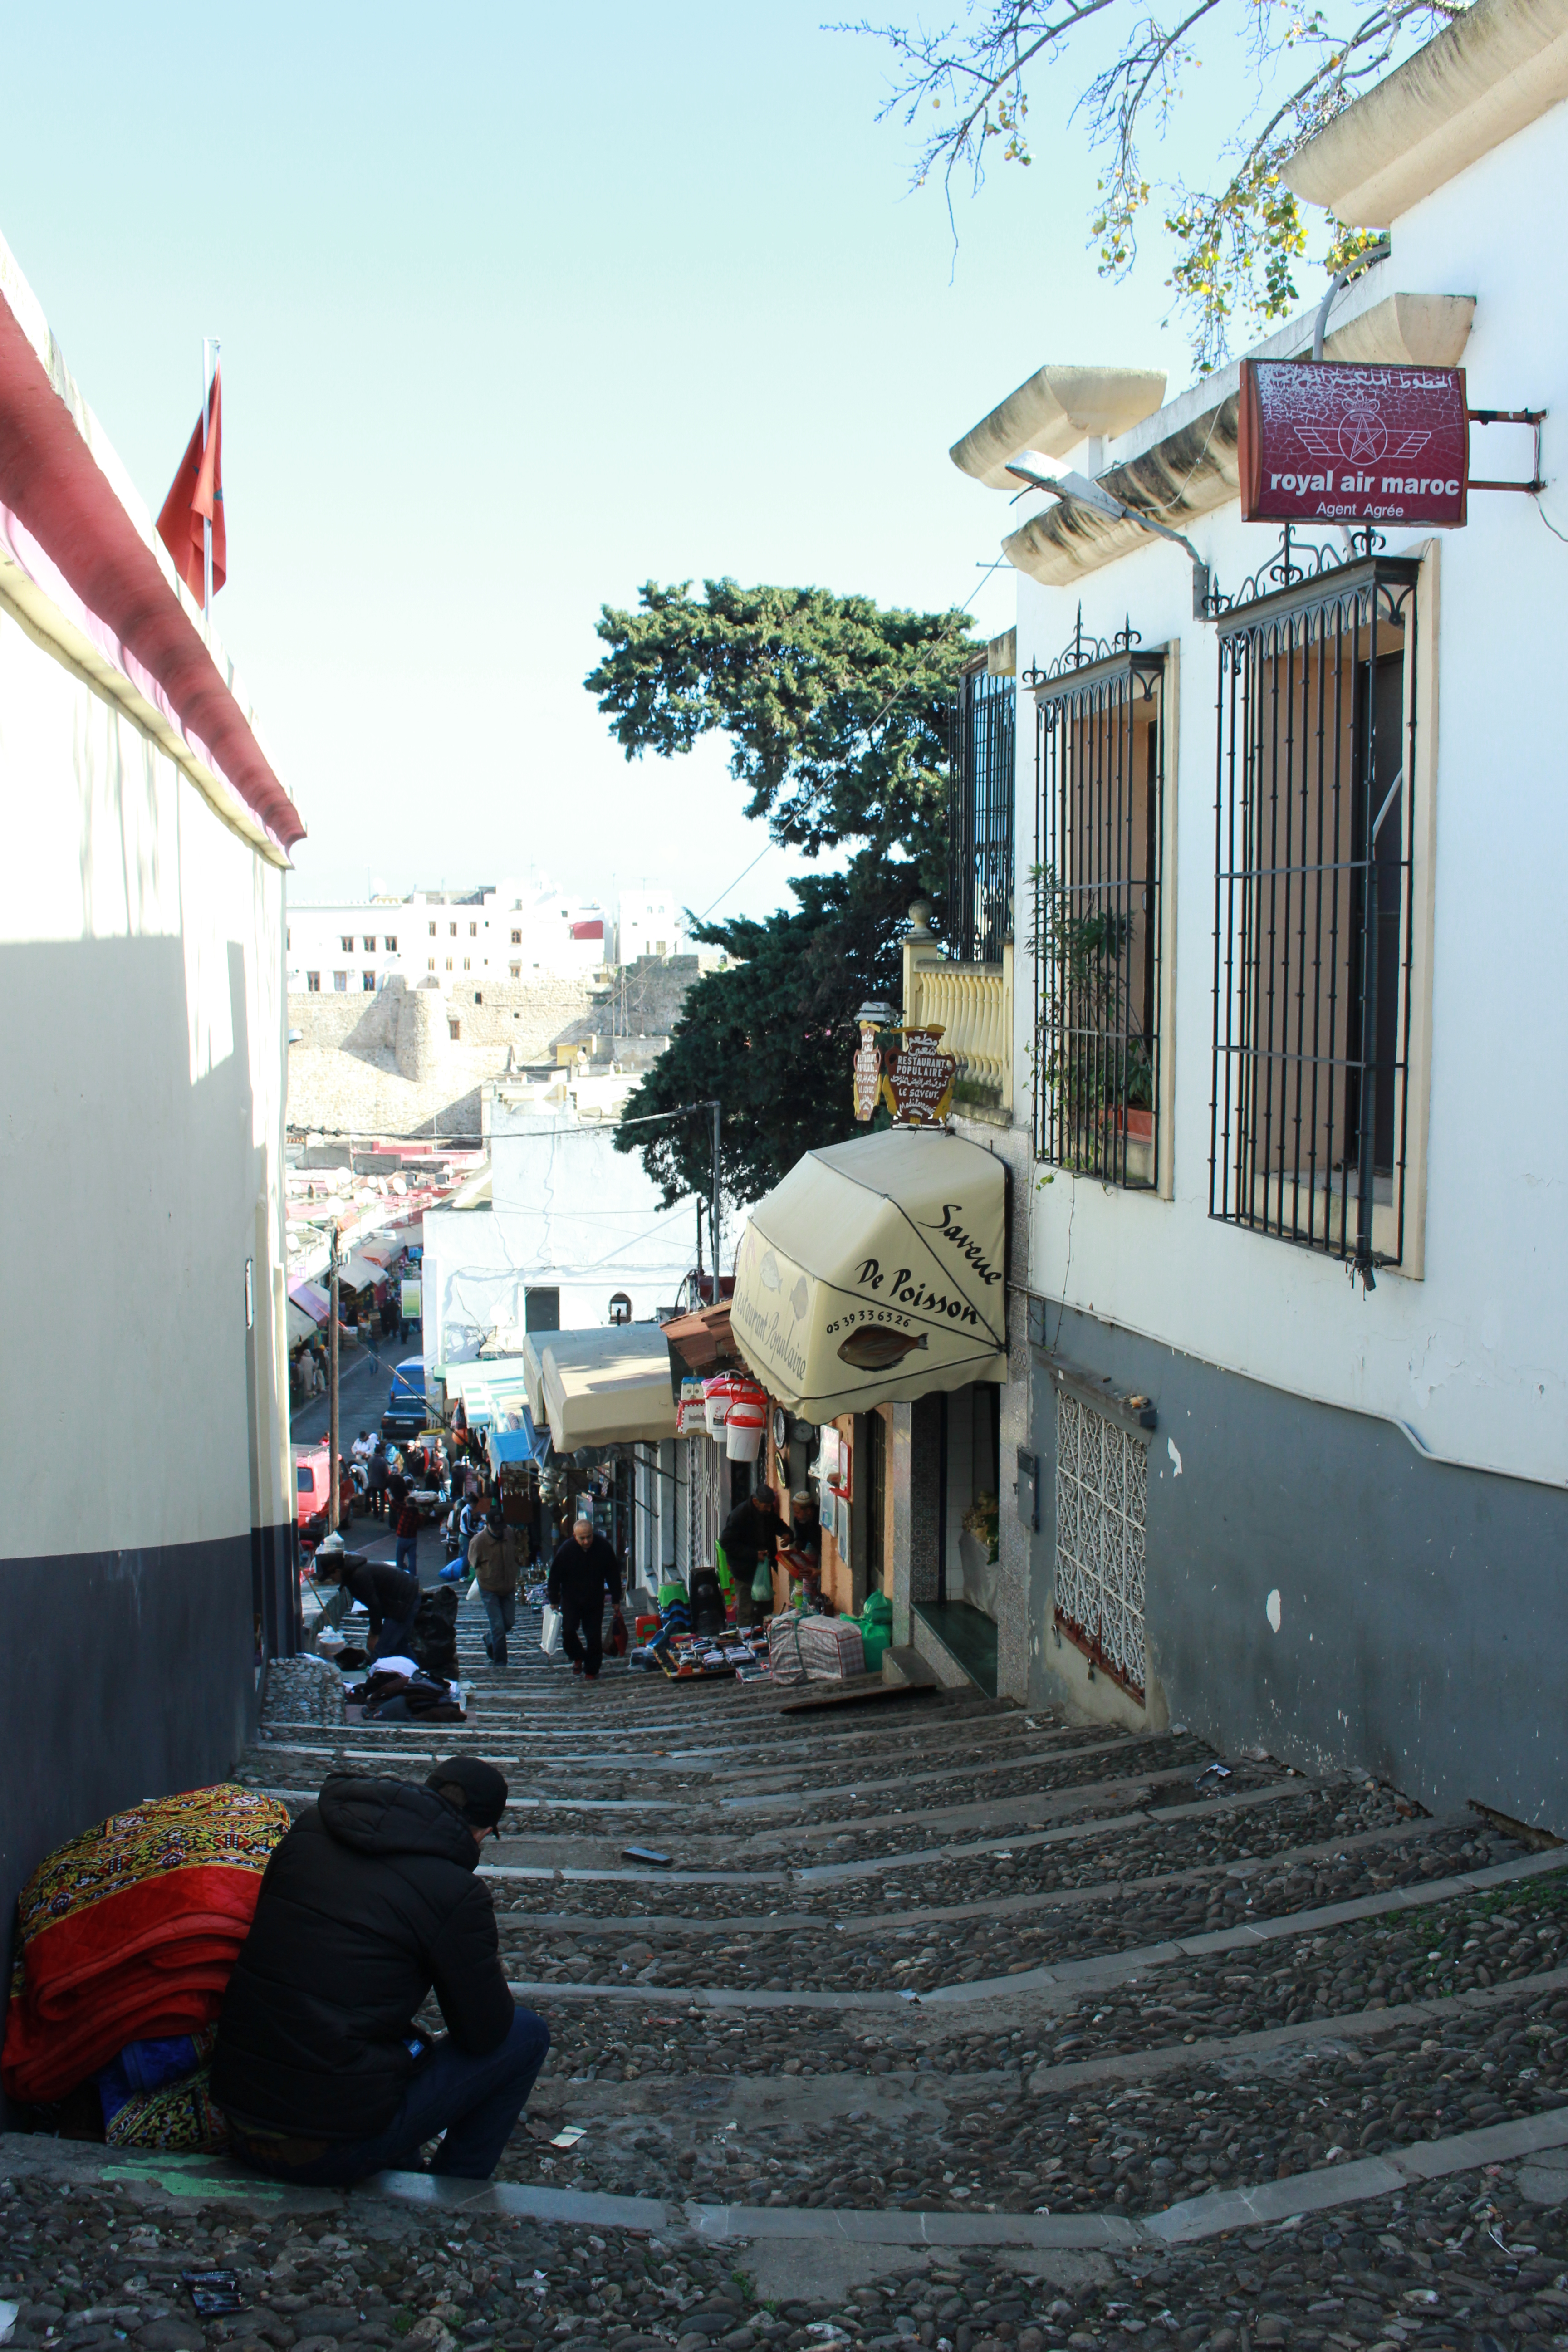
369 1901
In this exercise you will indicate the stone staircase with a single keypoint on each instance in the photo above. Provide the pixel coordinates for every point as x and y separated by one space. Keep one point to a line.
938 1959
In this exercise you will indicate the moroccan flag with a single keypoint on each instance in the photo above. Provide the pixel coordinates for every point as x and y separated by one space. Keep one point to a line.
196 498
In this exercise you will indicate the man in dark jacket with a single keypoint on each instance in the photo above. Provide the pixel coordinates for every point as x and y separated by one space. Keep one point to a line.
370 1901
391 1596
584 1570
751 1533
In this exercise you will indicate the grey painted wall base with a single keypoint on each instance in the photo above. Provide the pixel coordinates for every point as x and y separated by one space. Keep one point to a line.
122 1675
1316 1588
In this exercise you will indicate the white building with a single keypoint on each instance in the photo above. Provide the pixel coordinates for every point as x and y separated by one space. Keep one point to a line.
649 923
512 930
1297 1270
149 1559
573 1234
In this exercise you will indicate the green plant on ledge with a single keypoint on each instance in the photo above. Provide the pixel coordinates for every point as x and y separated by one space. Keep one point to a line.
1097 1058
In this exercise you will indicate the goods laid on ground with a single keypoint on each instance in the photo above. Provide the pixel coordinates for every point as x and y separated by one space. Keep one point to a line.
400 1692
876 1630
129 1931
155 2095
783 1648
831 1648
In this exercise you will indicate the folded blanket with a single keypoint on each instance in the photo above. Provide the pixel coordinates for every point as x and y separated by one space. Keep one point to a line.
131 1931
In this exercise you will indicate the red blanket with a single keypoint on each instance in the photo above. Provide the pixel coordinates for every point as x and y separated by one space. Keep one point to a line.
132 1930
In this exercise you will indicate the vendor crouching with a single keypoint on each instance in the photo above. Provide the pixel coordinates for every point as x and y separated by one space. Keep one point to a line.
369 1902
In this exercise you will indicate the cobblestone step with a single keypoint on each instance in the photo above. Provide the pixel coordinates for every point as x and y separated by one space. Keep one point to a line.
934 2007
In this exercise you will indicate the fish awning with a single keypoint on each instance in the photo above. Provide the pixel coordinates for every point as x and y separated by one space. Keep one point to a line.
875 1273
606 1387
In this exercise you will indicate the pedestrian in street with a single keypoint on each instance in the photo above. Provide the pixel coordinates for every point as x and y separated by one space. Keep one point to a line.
584 1570
405 1525
376 1475
492 1556
390 1594
370 1901
751 1534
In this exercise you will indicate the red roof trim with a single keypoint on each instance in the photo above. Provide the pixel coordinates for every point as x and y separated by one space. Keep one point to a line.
51 481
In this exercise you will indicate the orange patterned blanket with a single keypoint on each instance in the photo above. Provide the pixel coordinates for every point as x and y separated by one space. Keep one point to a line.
131 1930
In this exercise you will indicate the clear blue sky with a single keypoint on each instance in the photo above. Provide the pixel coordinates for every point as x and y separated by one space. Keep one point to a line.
520 307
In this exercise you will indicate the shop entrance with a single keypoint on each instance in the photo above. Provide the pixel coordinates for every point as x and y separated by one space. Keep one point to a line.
963 1615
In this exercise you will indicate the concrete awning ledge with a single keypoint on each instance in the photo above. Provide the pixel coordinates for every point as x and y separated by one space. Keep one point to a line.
1053 411
1496 70
1181 463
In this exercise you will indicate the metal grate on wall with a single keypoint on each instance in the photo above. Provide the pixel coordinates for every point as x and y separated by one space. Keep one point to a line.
1102 1495
1314 913
978 914
1099 751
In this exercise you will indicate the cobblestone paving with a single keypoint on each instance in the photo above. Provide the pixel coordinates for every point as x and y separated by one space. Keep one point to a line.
812 2008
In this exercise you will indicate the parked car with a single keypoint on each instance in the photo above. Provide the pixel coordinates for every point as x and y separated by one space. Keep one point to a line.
405 1413
312 1490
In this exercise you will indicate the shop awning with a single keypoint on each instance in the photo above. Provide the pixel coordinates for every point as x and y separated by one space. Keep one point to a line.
606 1387
301 1326
493 1389
314 1302
359 1272
533 1371
875 1272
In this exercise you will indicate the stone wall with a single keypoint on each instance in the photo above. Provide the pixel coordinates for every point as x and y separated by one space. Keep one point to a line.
387 1064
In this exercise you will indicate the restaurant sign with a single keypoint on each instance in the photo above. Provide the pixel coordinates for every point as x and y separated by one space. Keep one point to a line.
1323 441
922 1076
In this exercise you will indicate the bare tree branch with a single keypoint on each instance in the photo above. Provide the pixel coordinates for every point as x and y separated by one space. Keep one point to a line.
1237 237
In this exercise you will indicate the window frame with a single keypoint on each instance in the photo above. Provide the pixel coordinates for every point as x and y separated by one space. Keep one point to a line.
1093 680
1382 594
982 824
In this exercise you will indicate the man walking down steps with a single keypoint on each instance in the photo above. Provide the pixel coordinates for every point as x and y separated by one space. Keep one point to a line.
584 1570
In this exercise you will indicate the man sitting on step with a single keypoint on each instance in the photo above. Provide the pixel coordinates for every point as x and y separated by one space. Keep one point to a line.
371 1901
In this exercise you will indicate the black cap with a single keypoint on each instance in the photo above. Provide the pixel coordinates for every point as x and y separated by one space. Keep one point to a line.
476 1789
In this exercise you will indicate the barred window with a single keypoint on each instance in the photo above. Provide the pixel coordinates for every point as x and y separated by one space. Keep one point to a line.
1313 909
1100 758
978 915
1102 1503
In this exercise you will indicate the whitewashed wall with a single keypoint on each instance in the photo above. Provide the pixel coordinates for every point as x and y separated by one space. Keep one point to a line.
1471 1359
141 1074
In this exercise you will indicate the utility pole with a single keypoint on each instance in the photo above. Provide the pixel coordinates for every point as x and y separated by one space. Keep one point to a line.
332 1386
713 1213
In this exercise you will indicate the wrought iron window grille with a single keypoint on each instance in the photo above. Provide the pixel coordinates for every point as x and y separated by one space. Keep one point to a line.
1102 1500
1314 917
978 911
1099 810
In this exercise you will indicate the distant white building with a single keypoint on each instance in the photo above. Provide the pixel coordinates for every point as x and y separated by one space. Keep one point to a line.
649 923
508 930
573 1234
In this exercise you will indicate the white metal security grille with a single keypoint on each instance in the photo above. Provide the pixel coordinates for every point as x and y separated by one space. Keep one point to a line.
1102 1493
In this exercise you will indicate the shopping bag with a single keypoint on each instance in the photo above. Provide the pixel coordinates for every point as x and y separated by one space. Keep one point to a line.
618 1635
762 1583
550 1632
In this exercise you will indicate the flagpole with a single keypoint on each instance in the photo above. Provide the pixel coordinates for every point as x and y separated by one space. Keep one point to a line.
209 343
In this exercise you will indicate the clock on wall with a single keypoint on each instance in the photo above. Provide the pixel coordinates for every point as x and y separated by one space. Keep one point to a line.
781 1427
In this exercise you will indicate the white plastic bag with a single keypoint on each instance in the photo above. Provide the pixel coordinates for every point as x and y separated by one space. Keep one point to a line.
550 1632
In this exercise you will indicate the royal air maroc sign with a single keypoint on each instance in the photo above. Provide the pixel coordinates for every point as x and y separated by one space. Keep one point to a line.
1326 442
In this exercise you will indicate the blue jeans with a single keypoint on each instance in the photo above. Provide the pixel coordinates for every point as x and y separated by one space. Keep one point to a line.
409 1554
500 1608
475 2101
